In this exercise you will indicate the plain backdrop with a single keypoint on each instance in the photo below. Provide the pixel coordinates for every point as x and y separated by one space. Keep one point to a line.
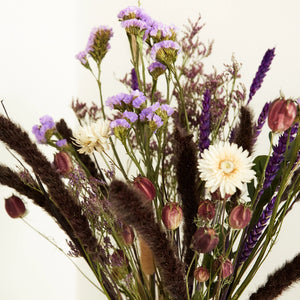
39 75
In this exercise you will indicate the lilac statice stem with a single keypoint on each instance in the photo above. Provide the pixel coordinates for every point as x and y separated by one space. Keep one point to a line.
261 121
261 73
204 129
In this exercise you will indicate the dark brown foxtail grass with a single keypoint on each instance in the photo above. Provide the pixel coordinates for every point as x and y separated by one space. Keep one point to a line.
186 173
132 208
279 281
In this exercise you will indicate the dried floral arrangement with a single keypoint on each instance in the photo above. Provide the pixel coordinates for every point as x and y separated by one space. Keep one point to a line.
188 212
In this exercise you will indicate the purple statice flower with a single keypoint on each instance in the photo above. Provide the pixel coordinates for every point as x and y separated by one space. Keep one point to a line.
156 69
147 113
97 44
167 108
261 73
133 12
138 98
134 26
119 123
61 143
204 128
82 57
261 120
134 80
115 101
160 31
40 131
165 51
130 115
155 65
256 232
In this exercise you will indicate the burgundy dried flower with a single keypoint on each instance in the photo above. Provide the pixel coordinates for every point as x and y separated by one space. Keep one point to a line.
145 186
225 265
201 274
171 215
240 217
15 207
204 240
206 210
282 114
63 163
127 234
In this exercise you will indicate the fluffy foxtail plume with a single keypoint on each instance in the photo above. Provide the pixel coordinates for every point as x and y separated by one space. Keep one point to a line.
132 208
279 281
186 171
244 132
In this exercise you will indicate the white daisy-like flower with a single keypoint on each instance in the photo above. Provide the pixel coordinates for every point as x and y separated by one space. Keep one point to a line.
226 167
93 137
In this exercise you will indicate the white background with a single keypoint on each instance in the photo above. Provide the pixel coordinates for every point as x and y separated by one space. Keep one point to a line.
39 75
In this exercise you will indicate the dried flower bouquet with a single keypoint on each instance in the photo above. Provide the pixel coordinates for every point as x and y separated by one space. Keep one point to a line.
189 212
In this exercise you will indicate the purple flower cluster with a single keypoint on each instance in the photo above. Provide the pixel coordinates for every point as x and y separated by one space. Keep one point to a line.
261 73
134 80
40 131
97 45
156 69
122 101
165 51
204 127
133 16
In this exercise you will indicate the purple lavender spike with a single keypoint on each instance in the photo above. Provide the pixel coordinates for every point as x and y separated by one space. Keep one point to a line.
261 120
134 81
204 129
261 73
257 230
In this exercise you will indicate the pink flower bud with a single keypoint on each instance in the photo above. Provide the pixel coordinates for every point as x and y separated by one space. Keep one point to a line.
216 196
204 240
240 217
282 114
15 207
201 274
63 163
171 215
225 265
145 186
127 234
206 210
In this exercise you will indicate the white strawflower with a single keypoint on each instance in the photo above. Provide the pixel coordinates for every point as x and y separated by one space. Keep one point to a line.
226 167
93 137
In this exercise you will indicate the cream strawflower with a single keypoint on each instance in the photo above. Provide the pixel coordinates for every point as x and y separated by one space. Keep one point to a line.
93 137
225 166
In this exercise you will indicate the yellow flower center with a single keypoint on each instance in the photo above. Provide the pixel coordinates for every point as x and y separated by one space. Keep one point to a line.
227 166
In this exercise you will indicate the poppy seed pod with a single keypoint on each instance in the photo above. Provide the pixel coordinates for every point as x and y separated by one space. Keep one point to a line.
63 163
206 210
15 207
145 186
240 217
171 215
282 114
201 274
225 265
204 240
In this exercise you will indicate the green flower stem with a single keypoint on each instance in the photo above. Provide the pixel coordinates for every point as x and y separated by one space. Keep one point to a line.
187 276
182 103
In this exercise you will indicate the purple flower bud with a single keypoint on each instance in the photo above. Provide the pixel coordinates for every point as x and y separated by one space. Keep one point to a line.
165 52
171 215
15 207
